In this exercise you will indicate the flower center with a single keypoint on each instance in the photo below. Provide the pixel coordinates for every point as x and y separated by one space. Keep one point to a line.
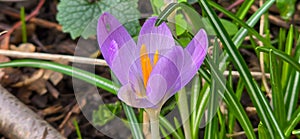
146 63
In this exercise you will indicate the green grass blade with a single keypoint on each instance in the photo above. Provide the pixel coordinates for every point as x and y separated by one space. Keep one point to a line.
133 123
231 101
243 10
23 25
241 34
215 90
282 55
282 38
200 109
293 88
231 119
75 123
288 51
165 123
296 132
281 44
88 77
164 133
211 129
277 96
222 122
263 132
292 123
242 23
184 112
166 12
257 97
195 91
178 129
68 70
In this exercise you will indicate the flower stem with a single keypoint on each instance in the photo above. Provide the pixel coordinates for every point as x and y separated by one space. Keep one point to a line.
154 122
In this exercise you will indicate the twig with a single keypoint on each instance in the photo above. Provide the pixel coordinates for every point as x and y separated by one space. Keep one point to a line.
236 3
66 119
3 32
32 14
238 133
276 20
35 20
255 74
261 54
84 60
44 56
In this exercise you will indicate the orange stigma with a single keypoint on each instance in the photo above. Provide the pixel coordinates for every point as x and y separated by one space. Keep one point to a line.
146 63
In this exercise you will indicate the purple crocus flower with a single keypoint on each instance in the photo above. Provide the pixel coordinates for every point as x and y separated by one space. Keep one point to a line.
153 69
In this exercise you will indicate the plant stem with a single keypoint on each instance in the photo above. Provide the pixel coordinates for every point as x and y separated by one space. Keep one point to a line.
154 122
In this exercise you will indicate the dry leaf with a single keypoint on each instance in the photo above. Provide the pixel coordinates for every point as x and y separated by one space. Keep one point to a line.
24 47
51 110
35 76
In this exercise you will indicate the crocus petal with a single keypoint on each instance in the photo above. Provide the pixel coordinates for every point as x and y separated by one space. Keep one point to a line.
156 88
189 69
116 44
167 69
133 93
198 47
127 95
155 37
122 62
194 55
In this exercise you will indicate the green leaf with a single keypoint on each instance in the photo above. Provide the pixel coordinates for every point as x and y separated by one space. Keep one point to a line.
230 27
286 8
106 113
79 17
181 24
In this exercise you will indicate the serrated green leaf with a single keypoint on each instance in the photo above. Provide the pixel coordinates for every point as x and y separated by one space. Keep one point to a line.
106 113
79 17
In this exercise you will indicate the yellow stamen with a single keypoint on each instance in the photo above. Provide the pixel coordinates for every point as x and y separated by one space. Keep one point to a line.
145 64
155 59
